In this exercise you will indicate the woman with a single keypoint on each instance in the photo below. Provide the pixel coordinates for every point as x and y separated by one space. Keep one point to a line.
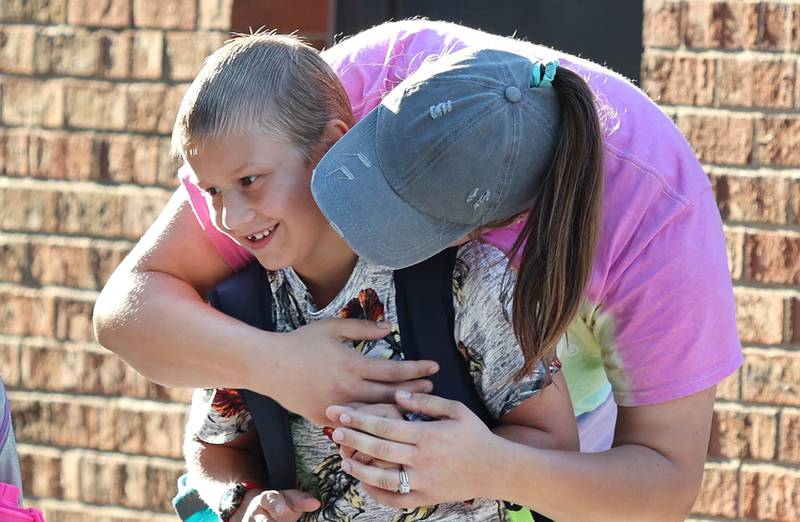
655 325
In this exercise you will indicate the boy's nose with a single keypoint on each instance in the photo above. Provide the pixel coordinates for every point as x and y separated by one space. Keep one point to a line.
235 212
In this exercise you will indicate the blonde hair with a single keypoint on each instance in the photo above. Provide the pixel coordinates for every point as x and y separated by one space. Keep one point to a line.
273 85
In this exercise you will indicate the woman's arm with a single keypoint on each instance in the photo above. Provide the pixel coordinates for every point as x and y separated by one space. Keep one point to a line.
652 473
152 314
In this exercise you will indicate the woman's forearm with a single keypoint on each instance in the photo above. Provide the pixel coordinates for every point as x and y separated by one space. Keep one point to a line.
162 327
628 482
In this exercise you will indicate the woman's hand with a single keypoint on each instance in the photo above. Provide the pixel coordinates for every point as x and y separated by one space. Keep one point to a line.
317 368
275 506
446 460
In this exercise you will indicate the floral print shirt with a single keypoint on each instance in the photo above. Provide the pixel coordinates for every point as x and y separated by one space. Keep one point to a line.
484 337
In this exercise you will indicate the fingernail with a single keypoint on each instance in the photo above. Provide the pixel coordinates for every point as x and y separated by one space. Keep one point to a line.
345 418
402 394
433 368
278 509
338 436
384 324
346 467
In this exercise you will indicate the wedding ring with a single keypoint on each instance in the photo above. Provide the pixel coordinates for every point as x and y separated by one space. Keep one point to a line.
405 486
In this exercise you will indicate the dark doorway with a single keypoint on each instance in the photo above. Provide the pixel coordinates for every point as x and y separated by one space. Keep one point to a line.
606 31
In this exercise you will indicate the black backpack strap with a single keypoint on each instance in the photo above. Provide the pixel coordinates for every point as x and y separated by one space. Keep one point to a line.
424 299
246 296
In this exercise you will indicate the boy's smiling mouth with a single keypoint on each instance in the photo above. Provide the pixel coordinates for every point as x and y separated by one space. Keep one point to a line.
259 239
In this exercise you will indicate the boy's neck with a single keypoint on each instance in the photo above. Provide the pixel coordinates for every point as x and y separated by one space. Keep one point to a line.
329 273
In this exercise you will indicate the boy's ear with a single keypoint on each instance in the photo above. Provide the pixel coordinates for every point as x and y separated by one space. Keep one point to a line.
334 130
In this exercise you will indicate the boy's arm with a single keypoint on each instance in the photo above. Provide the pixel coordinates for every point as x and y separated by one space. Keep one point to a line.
545 420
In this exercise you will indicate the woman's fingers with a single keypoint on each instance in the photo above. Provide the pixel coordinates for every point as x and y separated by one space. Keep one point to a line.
300 501
396 430
375 447
388 371
395 500
385 479
430 405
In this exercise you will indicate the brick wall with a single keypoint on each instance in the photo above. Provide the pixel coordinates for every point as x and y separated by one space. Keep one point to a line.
728 74
88 91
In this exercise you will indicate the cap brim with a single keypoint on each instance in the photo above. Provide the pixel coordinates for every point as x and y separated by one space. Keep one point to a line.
349 187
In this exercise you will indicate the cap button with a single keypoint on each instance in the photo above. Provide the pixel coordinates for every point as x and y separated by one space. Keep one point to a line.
513 94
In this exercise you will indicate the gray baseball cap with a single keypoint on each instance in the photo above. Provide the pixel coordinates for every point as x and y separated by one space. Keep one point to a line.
462 142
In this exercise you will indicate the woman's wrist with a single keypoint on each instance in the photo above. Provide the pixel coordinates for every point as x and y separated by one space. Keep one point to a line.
505 457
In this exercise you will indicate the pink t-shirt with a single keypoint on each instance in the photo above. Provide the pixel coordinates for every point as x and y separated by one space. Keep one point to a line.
658 320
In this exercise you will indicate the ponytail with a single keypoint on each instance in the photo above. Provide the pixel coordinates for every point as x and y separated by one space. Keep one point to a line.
558 242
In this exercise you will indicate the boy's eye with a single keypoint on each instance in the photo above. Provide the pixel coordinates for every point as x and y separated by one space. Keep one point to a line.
212 191
248 180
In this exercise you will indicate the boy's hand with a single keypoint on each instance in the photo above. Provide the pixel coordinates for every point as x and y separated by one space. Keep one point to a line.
388 411
318 361
274 506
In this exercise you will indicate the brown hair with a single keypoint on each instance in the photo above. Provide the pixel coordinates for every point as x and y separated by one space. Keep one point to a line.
274 85
558 242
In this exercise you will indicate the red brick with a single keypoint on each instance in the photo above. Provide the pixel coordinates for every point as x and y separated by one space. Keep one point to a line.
167 165
130 159
148 54
28 210
735 246
176 14
96 105
794 202
716 25
67 51
76 264
743 432
10 363
33 102
141 211
132 482
41 471
71 368
719 138
678 79
717 495
773 258
730 389
146 107
23 312
91 213
14 149
285 16
769 83
662 23
135 428
16 49
773 21
789 436
769 377
62 155
795 321
100 13
186 52
14 260
751 199
215 14
34 11
71 512
769 493
74 319
759 315
778 141
116 50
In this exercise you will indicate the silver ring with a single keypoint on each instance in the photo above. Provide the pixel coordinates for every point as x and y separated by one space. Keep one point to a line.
405 486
